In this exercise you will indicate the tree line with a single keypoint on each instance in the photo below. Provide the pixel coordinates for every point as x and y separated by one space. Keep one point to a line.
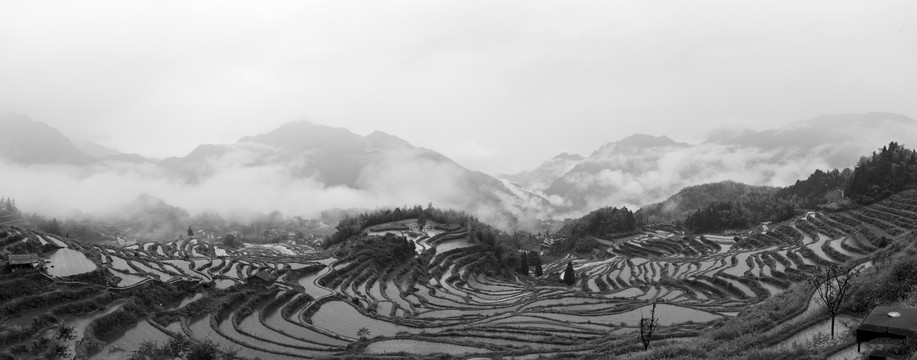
876 177
890 170
603 223
353 225
744 212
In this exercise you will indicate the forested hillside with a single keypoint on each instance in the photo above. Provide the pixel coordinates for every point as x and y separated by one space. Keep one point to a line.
882 174
744 212
813 191
696 197
353 225
605 223
8 210
726 205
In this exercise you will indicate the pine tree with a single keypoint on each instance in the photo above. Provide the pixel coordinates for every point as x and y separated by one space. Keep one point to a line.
524 265
569 275
421 220
538 270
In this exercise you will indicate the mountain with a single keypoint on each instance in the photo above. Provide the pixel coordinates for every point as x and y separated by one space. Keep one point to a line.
544 174
643 169
587 183
379 164
636 143
27 141
96 150
331 166
838 138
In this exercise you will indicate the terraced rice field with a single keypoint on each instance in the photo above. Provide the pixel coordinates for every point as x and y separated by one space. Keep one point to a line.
67 262
317 304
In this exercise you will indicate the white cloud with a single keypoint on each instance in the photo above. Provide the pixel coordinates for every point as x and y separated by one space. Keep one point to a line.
536 78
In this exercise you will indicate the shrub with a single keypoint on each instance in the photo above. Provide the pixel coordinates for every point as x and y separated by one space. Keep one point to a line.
886 283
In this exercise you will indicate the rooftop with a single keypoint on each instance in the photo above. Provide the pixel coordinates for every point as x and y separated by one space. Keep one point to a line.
886 321
21 259
265 276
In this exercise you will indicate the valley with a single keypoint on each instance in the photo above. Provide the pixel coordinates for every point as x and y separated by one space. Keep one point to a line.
513 180
294 301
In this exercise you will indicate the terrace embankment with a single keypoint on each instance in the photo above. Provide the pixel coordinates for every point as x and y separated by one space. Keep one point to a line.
438 294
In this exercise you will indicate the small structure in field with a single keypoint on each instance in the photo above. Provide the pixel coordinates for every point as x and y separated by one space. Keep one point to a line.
23 262
888 322
263 278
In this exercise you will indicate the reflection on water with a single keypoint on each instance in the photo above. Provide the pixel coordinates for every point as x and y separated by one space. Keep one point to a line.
67 262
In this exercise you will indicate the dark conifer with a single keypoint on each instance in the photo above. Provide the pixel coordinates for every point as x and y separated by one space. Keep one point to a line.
538 270
569 275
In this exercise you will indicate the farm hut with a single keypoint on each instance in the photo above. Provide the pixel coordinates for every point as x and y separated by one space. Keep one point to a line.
888 322
23 262
263 278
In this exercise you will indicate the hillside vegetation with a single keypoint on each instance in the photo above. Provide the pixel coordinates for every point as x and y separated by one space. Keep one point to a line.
581 235
876 177
729 205
813 191
744 212
427 283
691 198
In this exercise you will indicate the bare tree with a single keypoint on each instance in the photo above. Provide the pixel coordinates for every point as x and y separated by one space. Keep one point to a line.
648 327
832 285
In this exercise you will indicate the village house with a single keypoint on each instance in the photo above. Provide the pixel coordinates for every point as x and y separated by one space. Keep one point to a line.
262 278
23 263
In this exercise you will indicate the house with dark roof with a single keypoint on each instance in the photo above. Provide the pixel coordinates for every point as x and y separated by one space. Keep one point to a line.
23 262
262 278
889 323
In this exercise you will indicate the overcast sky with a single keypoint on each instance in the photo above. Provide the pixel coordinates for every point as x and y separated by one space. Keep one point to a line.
499 86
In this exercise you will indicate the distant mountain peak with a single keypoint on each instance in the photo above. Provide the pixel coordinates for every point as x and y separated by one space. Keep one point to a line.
385 140
637 142
645 141
569 157
306 135
28 141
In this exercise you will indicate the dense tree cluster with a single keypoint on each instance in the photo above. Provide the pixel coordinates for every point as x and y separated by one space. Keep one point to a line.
182 347
383 250
534 260
8 206
882 174
353 225
744 212
732 205
529 260
603 223
586 246
812 191
230 241
82 230
524 264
